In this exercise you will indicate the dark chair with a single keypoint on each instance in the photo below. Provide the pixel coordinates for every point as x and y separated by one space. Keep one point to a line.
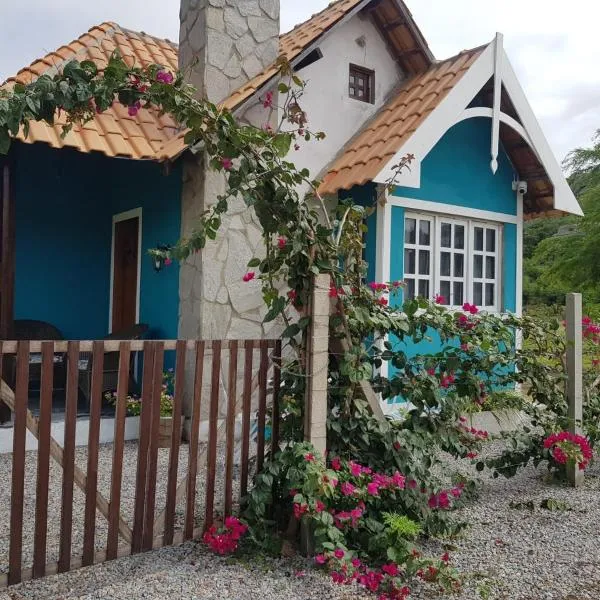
110 369
28 329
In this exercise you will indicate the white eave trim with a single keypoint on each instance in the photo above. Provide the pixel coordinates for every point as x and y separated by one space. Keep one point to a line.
453 109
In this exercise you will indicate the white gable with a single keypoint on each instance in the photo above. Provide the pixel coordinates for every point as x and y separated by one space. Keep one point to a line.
493 62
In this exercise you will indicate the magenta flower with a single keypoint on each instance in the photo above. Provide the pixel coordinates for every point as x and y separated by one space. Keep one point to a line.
336 464
355 469
439 299
268 101
282 243
339 553
347 488
309 457
227 163
168 262
373 489
164 77
249 276
320 559
133 110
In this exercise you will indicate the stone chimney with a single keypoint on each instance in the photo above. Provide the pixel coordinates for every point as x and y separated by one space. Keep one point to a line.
224 43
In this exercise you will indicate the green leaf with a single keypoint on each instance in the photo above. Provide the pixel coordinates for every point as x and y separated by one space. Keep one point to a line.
276 309
282 143
255 262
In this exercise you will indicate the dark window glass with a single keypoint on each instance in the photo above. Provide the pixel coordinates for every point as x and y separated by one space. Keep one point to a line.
478 266
489 294
479 238
445 291
410 289
458 294
424 233
478 294
424 288
423 262
446 258
490 267
410 261
459 237
459 265
490 240
446 235
410 231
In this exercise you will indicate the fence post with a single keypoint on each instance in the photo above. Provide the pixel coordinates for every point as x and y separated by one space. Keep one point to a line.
575 376
315 413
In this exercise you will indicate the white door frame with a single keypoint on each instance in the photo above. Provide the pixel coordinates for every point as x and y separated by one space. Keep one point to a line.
125 216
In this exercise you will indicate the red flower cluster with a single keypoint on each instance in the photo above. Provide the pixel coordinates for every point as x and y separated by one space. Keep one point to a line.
335 292
300 509
441 500
268 101
348 517
439 299
470 308
225 540
448 380
557 444
591 330
464 322
165 77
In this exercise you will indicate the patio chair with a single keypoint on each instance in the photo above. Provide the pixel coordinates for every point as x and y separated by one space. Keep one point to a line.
110 370
28 329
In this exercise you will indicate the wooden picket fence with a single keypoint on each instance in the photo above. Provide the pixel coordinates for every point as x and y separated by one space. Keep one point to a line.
240 384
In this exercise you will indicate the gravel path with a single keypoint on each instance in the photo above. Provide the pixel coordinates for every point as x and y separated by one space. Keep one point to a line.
130 457
506 554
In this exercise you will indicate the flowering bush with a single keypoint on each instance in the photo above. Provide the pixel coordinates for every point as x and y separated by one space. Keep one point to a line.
134 403
225 539
565 447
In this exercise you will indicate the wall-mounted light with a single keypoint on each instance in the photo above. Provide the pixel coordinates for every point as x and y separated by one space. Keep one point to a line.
160 257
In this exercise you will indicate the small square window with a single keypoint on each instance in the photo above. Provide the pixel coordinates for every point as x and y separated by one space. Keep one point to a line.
362 84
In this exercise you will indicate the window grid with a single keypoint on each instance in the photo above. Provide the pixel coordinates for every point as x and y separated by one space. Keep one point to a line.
485 265
418 256
452 264
454 237
361 84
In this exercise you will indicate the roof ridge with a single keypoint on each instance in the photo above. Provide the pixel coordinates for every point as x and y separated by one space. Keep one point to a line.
461 53
106 27
313 16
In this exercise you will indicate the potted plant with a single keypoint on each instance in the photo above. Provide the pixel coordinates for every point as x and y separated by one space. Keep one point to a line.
134 408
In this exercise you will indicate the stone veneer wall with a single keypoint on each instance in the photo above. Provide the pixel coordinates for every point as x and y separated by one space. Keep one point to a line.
223 43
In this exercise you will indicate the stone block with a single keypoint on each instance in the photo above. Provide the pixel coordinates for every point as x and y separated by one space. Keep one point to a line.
235 25
251 66
271 7
249 7
219 47
263 30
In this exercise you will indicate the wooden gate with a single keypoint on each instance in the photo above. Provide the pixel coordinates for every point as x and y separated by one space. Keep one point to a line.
224 386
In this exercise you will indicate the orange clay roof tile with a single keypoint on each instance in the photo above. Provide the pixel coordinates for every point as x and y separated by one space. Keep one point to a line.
372 148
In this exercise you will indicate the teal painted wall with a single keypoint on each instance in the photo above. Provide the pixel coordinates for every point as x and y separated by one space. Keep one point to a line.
509 270
65 202
457 171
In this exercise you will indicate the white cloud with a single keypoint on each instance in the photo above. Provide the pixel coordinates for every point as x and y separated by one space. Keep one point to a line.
552 45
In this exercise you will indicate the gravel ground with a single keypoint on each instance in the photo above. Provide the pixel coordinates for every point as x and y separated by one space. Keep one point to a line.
506 554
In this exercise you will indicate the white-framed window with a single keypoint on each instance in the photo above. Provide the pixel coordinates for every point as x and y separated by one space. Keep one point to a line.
453 257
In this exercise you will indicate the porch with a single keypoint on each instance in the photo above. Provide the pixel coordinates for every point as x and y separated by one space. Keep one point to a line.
74 261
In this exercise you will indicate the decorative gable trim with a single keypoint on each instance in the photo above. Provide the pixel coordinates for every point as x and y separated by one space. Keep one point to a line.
493 62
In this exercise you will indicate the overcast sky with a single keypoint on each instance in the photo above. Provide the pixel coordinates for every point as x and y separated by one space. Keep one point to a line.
552 44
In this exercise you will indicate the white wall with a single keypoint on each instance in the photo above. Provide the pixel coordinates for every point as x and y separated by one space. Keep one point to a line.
326 100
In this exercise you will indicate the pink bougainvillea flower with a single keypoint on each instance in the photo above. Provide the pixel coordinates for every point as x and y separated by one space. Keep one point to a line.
333 292
356 563
355 469
412 484
383 301
373 489
309 457
165 77
267 127
168 262
446 557
292 295
339 553
336 463
282 243
133 110
249 276
268 101
320 559
443 500
391 569
227 164
439 299
319 506
472 455
347 488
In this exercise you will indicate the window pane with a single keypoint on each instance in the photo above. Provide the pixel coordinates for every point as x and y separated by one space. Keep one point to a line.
424 233
459 237
445 292
424 288
490 240
424 262
459 265
478 266
478 294
490 267
489 294
410 228
446 235
410 261
457 300
409 293
479 238
445 264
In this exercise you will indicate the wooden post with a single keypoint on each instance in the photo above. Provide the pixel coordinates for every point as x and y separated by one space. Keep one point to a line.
575 375
315 417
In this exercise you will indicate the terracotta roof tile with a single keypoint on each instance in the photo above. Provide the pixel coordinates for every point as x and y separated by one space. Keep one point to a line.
369 151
